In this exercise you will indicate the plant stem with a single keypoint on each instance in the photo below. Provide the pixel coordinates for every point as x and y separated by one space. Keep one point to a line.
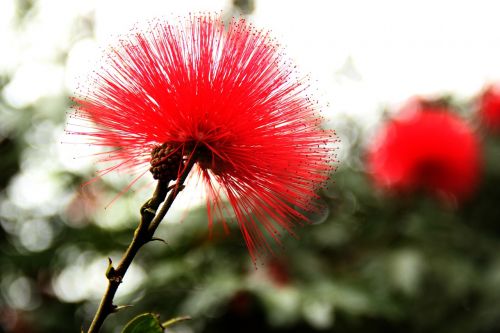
142 235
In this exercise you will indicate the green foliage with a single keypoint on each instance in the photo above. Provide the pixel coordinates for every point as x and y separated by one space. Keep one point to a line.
144 323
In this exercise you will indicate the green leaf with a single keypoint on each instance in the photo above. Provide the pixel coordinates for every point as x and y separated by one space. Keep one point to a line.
144 323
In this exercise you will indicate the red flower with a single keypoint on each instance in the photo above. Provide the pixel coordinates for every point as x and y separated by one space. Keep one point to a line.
489 107
227 94
426 147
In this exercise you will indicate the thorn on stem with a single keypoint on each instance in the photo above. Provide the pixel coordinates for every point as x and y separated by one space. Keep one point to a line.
158 239
121 307
146 210
111 272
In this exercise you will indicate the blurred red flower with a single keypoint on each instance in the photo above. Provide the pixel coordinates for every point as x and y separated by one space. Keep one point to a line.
426 147
278 272
228 94
489 107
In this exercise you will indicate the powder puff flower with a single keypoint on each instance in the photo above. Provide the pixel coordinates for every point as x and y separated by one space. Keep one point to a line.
224 96
489 107
426 147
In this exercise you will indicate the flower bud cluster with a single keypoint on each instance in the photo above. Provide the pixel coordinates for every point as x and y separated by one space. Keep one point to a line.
166 162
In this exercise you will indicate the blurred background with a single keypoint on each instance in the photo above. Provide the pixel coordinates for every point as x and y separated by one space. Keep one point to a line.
371 261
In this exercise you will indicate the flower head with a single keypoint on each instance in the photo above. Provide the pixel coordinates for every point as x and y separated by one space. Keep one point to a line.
427 147
489 107
226 97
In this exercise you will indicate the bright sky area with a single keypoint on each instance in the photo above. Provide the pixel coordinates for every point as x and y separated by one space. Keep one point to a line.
361 54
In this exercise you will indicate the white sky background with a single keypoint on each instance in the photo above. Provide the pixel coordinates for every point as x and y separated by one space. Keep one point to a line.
396 48
361 54
365 54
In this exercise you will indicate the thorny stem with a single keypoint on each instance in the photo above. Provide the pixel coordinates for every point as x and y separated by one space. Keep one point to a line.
150 221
